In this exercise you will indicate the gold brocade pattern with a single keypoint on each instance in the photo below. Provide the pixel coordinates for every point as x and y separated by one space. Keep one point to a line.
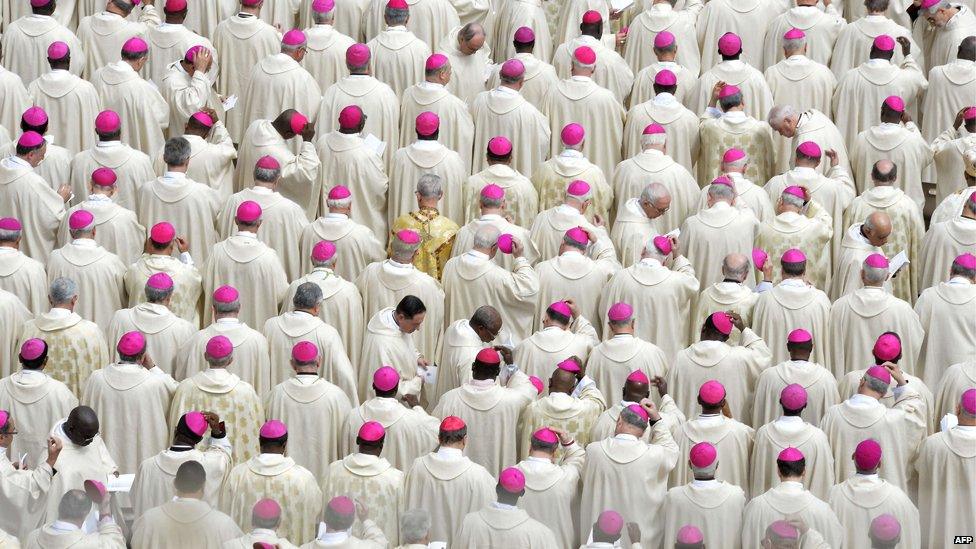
437 234
73 353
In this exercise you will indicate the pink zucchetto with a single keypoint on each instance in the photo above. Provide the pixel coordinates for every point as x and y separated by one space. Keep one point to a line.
867 454
273 429
711 392
926 4
794 34
665 77
107 122
561 307
203 118
799 335
263 545
784 530
512 480
58 50
513 68
397 5
135 45
570 366
323 6
653 129
350 117
372 431
790 455
250 2
690 535
591 16
663 244
638 376
162 232
524 35
451 424
584 55
640 411
702 455
160 281
248 211
266 509
386 378
174 5
80 219
32 349
966 261
759 257
887 347
885 528
408 237
4 418
427 123
34 116
196 423
578 235
131 344
357 55
733 155
343 506
729 44
323 251
95 490
488 356
969 114
794 255
883 42
219 347
492 192
191 53
499 146
572 134
663 39
294 37
30 140
793 397
505 243
723 180
722 322
268 162
610 523
880 373
546 435
297 122
728 90
809 148
796 191
435 62
578 188
620 312
895 103
968 401
537 383
226 294
339 192
304 351
877 261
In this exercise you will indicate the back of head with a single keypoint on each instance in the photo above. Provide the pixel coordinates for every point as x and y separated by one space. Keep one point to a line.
190 478
74 506
415 526
307 296
735 267
176 151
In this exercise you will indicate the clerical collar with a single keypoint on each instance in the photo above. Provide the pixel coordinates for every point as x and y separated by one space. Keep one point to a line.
704 483
503 506
174 177
797 58
804 172
431 85
552 328
334 215
58 312
247 234
664 99
537 459
622 336
387 318
859 400
734 116
98 198
871 476
397 28
625 436
84 243
650 262
790 419
566 209
244 15
873 17
63 527
792 486
708 419
300 312
18 161
228 320
730 281
663 6
580 78
449 454
8 250
32 373
504 90
734 64
876 62
261 189
958 280
475 254
398 265
123 66
793 283
332 538
263 532
489 217
426 144
180 448
571 153
108 144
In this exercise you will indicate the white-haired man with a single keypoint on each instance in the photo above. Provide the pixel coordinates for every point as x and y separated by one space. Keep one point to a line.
639 217
493 208
654 161
551 225
799 126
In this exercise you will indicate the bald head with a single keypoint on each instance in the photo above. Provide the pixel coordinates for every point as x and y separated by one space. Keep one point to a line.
877 228
562 381
735 267
884 173
81 425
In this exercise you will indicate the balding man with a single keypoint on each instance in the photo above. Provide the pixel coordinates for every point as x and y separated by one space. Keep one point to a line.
907 224
859 317
493 208
800 223
654 162
84 456
64 529
462 340
187 519
639 217
718 230
802 126
62 328
735 164
731 294
859 241
550 226
465 49
431 95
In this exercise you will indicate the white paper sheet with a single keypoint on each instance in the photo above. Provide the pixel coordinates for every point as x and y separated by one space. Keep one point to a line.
229 103
121 484
897 263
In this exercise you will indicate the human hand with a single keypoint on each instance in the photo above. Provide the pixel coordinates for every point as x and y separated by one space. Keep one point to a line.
64 191
661 384
182 244
906 45
308 132
832 155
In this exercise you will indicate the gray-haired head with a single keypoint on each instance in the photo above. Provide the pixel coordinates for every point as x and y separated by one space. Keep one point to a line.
651 251
227 308
791 200
876 6
780 114
653 193
486 236
873 276
730 101
268 176
721 193
875 384
633 419
429 186
323 17
61 291
414 526
176 152
395 17
307 296
735 267
74 506
9 237
158 295
403 252
794 46
705 472
469 31
87 231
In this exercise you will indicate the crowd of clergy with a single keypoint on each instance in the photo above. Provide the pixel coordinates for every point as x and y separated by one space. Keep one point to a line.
514 274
